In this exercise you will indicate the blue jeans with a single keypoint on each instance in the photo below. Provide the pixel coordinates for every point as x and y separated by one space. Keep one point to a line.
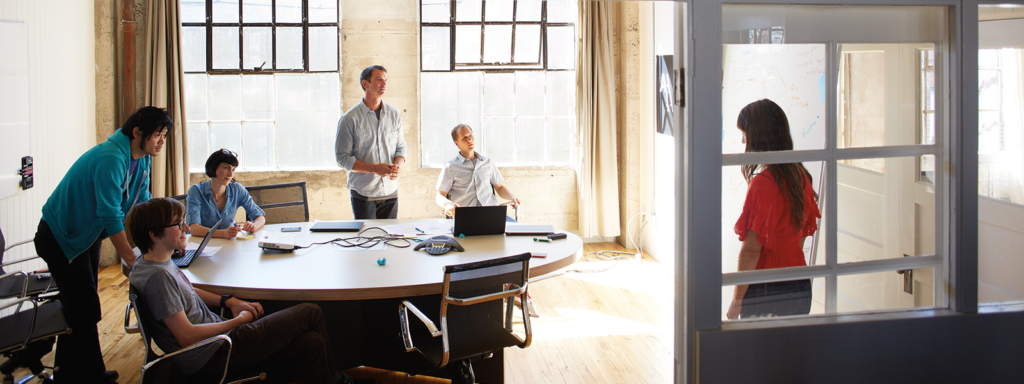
374 209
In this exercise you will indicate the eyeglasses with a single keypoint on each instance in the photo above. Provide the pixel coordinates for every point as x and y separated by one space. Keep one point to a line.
181 225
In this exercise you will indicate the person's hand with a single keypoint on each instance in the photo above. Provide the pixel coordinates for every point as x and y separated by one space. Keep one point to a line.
249 227
515 202
246 317
734 309
238 306
383 170
231 232
449 209
394 172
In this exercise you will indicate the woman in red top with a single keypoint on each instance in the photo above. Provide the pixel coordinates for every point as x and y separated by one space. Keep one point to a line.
780 211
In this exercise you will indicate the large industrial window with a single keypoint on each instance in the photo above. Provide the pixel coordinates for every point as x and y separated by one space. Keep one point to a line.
262 79
506 68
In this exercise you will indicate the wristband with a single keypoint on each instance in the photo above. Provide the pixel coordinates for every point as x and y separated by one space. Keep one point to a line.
224 300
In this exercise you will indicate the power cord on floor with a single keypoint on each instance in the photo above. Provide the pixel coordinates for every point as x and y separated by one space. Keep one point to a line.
607 255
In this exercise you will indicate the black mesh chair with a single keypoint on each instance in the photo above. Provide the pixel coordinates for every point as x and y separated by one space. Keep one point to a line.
282 203
28 335
158 368
183 199
477 315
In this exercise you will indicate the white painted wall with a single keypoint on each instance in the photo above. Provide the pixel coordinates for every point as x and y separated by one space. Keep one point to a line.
62 101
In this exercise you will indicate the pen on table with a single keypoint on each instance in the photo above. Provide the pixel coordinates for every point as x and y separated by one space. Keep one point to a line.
541 240
418 230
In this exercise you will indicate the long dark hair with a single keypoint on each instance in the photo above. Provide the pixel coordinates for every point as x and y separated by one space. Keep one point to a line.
767 129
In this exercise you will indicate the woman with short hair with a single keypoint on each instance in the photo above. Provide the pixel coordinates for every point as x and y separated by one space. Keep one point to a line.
218 199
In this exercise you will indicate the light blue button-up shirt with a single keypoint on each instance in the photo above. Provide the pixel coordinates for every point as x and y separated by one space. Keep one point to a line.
361 136
470 183
203 210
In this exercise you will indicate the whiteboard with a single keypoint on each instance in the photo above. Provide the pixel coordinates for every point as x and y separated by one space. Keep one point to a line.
14 106
791 75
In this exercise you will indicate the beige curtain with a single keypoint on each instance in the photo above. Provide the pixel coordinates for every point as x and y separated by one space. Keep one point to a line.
164 90
598 175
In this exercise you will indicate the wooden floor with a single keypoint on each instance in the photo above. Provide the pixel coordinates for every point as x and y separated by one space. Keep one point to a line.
606 327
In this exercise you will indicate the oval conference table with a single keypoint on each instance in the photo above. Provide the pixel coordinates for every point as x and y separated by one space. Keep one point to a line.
359 297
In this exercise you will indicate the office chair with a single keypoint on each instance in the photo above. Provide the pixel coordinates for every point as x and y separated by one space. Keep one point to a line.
161 368
476 317
28 335
281 203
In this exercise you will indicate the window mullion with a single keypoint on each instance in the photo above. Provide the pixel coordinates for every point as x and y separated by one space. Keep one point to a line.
831 191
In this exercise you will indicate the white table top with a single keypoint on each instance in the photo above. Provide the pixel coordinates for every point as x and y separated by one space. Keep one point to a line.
330 272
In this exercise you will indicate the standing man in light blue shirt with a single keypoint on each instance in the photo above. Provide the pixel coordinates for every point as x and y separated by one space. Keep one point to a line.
371 147
470 178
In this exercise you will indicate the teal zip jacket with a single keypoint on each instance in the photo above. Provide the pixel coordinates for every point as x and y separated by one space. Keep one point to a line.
95 195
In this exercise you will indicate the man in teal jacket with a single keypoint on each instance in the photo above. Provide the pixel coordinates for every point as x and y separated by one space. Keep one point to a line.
89 205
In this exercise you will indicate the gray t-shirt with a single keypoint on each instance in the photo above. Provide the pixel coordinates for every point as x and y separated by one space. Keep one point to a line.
163 291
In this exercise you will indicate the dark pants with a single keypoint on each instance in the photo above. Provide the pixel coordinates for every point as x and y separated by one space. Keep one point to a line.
783 298
374 209
78 353
287 345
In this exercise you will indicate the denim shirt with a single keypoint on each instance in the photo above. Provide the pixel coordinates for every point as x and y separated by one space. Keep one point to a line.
470 183
363 137
203 210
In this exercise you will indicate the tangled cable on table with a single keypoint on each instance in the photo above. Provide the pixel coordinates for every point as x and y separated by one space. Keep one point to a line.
362 241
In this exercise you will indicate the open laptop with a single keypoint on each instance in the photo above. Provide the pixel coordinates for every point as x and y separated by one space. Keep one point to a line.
185 260
336 226
474 221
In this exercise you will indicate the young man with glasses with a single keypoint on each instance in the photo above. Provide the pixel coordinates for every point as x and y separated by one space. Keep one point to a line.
89 205
291 343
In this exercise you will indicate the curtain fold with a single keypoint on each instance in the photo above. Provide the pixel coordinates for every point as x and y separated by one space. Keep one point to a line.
164 89
597 179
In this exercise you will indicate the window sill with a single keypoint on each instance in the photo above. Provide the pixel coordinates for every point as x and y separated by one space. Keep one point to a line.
901 314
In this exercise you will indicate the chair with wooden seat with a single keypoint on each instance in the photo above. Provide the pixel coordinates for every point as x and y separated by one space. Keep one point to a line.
281 203
477 315
158 368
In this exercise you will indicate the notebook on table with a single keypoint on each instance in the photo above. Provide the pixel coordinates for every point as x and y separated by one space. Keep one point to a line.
529 230
476 221
336 226
189 256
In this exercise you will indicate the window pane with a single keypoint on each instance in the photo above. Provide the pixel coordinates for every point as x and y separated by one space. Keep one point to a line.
764 71
289 11
529 95
225 98
498 43
561 93
528 10
323 48
884 215
467 10
198 146
225 11
989 89
436 48
258 93
447 99
323 11
308 108
497 141
258 145
734 197
193 11
256 11
791 298
561 48
498 10
497 88
561 11
884 290
226 135
258 47
193 49
562 143
467 44
225 48
435 11
195 98
289 48
530 141
527 44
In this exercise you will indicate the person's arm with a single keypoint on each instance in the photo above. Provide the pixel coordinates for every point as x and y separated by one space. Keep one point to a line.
442 200
187 333
382 170
234 304
750 252
251 209
398 161
255 225
124 251
506 194
201 231
344 148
